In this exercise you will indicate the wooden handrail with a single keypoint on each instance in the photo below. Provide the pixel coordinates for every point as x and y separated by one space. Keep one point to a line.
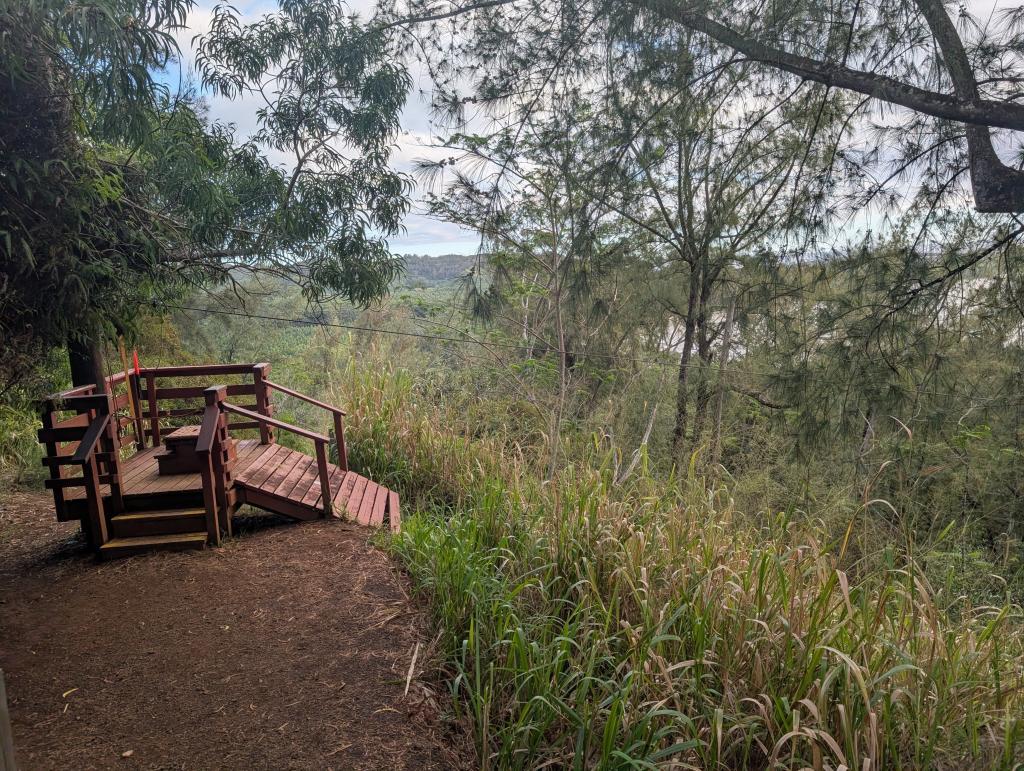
339 425
320 440
303 397
191 370
274 422
208 429
91 438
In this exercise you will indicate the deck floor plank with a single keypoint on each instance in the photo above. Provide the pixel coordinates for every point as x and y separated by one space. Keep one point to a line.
258 477
346 490
300 478
282 471
254 460
379 503
352 504
366 504
314 495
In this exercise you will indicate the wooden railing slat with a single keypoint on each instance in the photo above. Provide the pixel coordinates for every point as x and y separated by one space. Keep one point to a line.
303 397
67 434
274 422
196 392
198 370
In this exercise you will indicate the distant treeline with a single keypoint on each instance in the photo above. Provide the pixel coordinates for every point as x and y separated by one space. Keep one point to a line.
432 270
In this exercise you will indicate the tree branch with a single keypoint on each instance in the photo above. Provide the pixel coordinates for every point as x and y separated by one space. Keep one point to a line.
982 112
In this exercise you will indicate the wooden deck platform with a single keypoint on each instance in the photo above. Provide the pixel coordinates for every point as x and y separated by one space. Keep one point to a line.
272 477
153 499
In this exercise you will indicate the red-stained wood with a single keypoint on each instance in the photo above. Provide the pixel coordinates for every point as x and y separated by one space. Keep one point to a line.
324 470
279 505
196 392
314 495
263 404
343 494
379 504
259 476
284 468
366 505
394 513
252 454
198 370
299 481
352 504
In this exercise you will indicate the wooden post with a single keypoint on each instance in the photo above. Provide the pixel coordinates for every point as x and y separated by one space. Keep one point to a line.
211 459
214 395
209 497
154 410
325 477
94 500
339 441
263 400
140 426
226 483
6 734
56 472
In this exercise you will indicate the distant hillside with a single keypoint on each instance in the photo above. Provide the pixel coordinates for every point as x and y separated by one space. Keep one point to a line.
425 269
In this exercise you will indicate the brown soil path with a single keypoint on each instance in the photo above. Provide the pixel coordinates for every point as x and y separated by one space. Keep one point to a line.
287 648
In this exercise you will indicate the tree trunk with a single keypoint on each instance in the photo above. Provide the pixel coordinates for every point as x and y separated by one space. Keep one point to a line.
704 357
716 436
682 389
86 359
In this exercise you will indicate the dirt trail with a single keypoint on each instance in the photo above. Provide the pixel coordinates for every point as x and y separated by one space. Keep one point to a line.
287 648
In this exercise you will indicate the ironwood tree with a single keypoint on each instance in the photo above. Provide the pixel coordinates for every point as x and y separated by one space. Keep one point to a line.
944 87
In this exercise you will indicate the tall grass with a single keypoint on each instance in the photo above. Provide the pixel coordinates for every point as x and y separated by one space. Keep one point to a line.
589 625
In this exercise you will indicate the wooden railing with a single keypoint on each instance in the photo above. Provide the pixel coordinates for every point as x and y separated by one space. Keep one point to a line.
319 440
156 394
338 415
89 440
93 437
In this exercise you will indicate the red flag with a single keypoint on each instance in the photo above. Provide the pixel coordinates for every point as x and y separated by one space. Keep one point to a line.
135 361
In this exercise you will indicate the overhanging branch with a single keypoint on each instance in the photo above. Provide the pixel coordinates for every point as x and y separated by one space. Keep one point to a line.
983 112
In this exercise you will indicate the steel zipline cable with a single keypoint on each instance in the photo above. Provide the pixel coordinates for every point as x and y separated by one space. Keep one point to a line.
524 348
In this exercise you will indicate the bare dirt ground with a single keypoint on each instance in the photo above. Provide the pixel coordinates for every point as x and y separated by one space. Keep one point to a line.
289 647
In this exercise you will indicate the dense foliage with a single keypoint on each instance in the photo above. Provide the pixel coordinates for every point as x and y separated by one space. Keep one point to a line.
115 191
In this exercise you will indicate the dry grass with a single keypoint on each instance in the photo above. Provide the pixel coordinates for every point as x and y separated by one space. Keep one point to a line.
586 624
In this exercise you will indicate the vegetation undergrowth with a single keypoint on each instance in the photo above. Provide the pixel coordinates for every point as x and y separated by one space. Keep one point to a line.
589 624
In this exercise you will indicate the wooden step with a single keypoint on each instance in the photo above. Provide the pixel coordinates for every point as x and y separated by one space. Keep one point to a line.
160 522
125 547
136 503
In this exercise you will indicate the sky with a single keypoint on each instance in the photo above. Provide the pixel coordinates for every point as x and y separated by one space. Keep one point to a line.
423 235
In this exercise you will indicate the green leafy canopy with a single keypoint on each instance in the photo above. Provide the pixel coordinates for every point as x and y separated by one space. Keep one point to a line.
115 192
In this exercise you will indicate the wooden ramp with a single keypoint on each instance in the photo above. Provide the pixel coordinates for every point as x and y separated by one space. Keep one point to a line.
286 481
177 486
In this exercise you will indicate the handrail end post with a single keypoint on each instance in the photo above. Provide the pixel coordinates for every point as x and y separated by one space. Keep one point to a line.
339 440
264 404
215 394
325 478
